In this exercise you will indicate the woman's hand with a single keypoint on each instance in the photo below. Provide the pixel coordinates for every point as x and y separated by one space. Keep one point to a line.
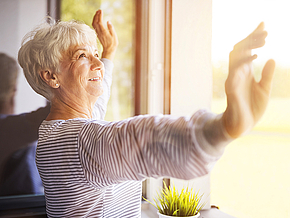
246 98
107 37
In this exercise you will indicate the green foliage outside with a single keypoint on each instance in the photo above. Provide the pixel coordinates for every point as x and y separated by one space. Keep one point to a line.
281 82
121 13
275 119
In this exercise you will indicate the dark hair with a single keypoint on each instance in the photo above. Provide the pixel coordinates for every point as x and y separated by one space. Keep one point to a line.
8 77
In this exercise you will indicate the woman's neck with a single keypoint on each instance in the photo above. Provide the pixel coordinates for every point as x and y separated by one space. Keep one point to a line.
62 111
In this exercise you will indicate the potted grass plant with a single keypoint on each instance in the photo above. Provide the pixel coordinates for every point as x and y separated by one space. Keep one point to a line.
170 203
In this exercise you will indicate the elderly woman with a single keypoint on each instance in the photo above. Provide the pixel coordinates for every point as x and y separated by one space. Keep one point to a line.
94 168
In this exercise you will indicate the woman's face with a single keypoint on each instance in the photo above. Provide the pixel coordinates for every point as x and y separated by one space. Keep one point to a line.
81 74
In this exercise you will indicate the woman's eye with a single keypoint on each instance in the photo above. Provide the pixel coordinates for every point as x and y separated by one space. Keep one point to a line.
82 55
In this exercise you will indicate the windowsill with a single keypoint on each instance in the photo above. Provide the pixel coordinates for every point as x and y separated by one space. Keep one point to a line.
211 213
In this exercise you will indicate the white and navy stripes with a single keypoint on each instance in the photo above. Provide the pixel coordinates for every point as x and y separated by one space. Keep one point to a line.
92 168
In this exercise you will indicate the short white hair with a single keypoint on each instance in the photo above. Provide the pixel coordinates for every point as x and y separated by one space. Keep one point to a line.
44 47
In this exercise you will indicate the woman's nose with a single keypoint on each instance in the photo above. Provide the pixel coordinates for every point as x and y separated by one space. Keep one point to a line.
96 64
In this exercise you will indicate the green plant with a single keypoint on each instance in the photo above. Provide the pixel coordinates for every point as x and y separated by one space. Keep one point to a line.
170 202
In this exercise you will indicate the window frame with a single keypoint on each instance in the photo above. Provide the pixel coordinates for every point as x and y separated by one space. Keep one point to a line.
160 68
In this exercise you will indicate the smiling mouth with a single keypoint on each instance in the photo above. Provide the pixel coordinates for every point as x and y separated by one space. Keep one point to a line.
95 79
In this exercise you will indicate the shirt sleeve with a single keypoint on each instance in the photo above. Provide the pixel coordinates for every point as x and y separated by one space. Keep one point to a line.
100 108
211 134
148 146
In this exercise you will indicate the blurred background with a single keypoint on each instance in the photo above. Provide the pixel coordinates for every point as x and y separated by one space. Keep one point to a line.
122 14
252 178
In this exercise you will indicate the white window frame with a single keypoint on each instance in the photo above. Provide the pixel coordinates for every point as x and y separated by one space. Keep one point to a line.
187 72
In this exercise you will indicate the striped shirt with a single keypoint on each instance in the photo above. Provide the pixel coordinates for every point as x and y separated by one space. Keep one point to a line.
94 168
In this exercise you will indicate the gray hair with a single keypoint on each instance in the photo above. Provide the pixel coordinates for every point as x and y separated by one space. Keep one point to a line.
8 77
43 49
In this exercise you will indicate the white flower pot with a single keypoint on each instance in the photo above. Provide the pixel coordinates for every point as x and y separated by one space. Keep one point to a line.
166 216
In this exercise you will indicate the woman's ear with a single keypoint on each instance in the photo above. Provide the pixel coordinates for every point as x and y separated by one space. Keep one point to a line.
49 78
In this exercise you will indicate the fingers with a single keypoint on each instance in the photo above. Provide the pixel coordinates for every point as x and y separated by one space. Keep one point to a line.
237 60
100 16
255 40
98 21
260 27
267 75
110 28
259 34
99 26
106 35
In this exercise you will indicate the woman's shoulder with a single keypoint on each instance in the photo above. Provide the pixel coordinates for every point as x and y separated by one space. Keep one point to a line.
60 127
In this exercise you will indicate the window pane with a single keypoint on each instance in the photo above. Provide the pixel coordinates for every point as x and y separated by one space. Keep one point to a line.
252 178
121 13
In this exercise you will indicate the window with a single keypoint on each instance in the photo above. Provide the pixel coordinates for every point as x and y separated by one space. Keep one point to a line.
121 13
252 178
190 67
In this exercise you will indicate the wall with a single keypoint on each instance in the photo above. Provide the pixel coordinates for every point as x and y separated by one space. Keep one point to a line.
17 17
191 71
